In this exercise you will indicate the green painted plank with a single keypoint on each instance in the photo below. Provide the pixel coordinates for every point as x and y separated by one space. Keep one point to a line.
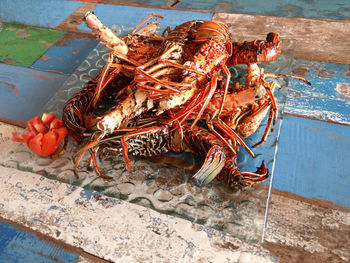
22 45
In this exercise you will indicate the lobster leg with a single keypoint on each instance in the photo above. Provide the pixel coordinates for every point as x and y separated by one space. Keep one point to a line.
232 134
179 66
275 75
81 153
227 82
97 168
101 83
269 88
202 97
267 130
248 178
258 111
105 35
212 88
220 137
144 21
237 179
161 82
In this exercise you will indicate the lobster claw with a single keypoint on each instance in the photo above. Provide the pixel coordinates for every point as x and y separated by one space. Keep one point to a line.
212 166
44 134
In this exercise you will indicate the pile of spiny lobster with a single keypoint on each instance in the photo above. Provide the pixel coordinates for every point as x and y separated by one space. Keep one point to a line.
170 93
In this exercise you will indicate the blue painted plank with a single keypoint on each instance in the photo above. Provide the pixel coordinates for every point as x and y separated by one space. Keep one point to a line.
48 13
127 17
67 56
144 2
17 245
329 96
313 160
24 92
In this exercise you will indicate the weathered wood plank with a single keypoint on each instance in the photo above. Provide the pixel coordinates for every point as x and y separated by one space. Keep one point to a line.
125 18
24 92
329 96
49 13
67 54
17 245
320 40
283 8
313 160
71 23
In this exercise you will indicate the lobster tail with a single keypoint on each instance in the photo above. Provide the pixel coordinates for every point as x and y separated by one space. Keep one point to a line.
75 109
256 51
212 166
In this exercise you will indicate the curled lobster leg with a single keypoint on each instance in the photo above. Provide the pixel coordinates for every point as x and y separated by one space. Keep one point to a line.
249 179
234 178
275 75
97 168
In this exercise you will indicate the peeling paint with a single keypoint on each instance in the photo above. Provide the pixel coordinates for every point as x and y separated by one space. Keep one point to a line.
11 85
45 44
300 70
23 33
328 98
45 58
343 89
331 136
322 72
9 61
42 76
35 88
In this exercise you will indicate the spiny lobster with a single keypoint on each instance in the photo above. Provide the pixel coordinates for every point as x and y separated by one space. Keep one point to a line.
185 68
157 140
